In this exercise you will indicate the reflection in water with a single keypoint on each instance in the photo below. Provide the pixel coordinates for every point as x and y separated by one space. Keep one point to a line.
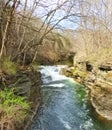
66 105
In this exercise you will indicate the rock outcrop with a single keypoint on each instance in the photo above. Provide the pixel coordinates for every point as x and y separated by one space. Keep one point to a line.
99 82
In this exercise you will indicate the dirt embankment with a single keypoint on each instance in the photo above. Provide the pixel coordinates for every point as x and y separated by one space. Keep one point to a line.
28 82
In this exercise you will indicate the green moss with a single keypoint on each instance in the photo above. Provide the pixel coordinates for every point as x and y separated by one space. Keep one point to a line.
79 72
81 94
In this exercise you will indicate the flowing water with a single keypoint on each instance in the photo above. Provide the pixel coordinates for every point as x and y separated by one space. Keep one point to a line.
65 105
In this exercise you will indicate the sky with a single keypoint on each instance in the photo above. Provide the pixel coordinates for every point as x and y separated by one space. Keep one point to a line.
45 6
96 8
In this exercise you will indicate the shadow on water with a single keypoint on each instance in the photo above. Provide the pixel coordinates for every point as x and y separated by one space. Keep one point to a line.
66 105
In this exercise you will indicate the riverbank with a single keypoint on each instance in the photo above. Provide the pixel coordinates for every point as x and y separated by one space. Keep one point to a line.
99 82
25 83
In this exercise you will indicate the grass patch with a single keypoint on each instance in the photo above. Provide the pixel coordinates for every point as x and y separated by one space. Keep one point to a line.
8 66
13 109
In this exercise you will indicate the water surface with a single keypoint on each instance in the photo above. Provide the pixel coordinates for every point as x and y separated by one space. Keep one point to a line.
65 105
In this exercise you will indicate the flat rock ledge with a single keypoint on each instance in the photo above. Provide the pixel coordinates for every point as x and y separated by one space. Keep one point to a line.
101 99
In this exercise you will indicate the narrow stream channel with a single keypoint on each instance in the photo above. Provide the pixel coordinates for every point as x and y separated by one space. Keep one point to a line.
65 105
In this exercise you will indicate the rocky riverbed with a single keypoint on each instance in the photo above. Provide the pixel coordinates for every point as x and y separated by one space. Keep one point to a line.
99 82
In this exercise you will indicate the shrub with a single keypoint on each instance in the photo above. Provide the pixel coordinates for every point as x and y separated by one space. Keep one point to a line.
9 66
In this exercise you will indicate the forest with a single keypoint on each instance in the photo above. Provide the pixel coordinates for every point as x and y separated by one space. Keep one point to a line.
76 33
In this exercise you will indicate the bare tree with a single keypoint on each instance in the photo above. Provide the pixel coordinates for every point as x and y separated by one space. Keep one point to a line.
95 25
41 32
7 24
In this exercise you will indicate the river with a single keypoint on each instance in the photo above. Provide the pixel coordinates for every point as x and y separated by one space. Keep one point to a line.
65 105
